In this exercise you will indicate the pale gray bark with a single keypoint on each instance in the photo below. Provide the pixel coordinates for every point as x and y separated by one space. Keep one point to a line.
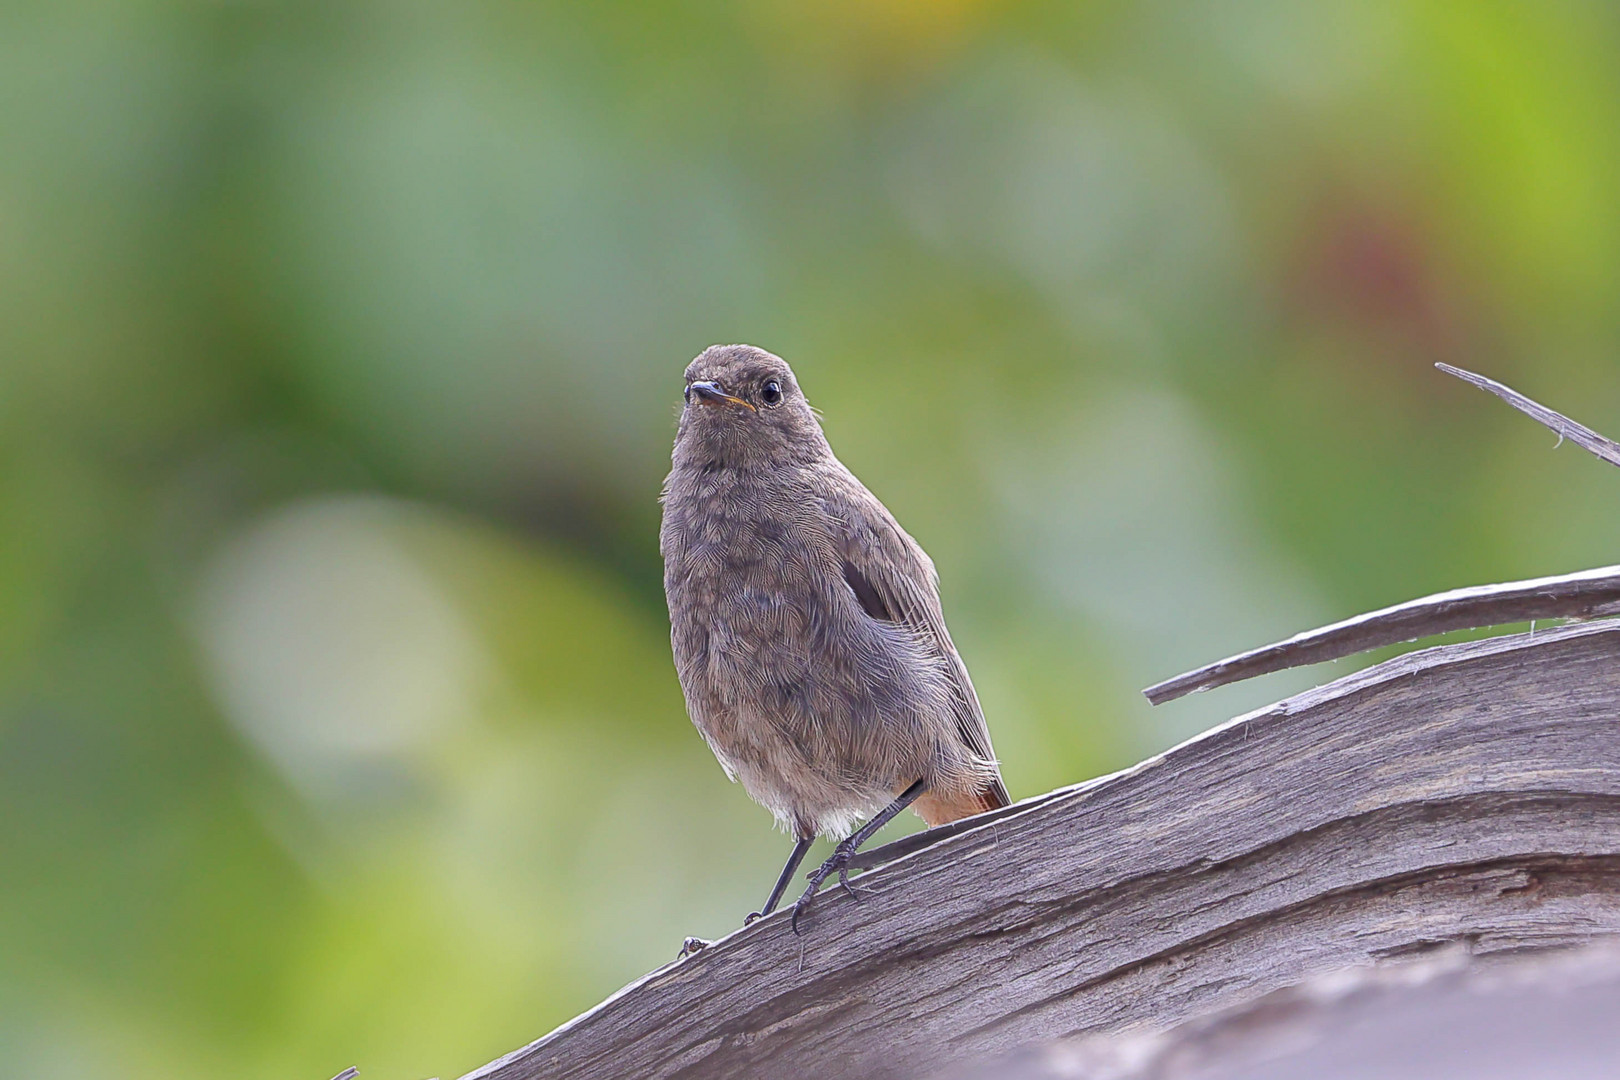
1516 1017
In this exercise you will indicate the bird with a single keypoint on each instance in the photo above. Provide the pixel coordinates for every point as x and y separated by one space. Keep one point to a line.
806 625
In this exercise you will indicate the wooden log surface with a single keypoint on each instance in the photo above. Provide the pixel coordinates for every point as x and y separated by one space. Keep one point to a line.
1464 796
1448 1014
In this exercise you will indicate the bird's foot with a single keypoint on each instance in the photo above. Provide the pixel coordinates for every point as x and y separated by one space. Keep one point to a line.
837 863
751 916
691 947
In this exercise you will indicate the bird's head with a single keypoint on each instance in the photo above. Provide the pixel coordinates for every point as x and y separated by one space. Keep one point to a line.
744 408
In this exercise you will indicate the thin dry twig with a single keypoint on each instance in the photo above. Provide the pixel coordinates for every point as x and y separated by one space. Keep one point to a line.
1579 434
1585 595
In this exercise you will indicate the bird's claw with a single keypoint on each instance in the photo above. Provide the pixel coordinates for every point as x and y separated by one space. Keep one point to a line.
800 906
691 947
837 863
843 881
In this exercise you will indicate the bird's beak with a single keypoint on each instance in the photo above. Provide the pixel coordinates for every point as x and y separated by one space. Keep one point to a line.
710 394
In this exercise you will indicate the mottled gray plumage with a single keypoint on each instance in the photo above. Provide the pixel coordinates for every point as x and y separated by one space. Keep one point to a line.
806 623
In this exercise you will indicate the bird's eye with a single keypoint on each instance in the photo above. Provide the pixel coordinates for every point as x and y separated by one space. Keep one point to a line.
771 393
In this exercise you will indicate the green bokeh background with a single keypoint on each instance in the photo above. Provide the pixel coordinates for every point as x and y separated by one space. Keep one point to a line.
340 349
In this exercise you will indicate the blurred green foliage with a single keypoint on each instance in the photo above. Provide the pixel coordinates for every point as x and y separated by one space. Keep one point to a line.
340 347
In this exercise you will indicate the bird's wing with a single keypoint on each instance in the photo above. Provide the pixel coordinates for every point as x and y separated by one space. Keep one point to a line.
894 580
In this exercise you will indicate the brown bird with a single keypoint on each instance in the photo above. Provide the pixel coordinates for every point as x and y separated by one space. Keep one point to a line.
806 624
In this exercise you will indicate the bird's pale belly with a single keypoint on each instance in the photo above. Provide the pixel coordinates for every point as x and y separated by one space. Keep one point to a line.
791 716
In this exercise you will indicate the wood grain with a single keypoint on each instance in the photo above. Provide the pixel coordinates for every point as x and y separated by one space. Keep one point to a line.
1464 796
1536 1013
1584 595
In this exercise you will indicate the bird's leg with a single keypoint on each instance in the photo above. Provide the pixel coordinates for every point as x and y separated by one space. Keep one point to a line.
799 848
839 861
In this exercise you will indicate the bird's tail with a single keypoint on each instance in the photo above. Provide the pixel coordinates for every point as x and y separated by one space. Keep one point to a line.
937 808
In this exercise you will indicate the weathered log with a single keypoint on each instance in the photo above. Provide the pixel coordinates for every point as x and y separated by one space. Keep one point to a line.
1466 795
1450 1014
